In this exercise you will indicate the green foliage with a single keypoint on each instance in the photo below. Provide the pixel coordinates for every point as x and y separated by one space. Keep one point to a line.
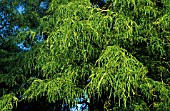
123 49
7 102
118 73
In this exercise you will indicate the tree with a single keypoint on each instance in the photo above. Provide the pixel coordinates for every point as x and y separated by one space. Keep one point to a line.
118 54
15 18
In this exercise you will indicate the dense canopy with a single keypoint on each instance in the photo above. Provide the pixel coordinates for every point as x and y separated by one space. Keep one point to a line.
118 53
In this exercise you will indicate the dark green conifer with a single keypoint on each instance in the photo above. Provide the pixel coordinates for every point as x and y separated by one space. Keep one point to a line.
123 49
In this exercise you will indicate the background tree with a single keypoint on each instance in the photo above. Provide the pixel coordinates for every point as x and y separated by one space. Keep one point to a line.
15 18
118 54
